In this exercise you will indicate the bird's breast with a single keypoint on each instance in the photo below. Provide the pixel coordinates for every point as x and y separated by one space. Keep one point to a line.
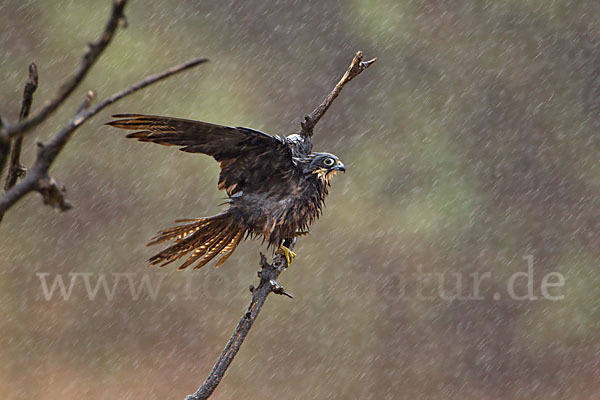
276 217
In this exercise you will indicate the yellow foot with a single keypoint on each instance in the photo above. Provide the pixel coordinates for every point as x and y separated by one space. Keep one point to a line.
301 233
288 254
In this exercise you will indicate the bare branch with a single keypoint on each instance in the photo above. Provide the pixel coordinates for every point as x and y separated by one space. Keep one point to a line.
28 91
93 52
37 179
270 272
268 275
148 81
356 67
15 169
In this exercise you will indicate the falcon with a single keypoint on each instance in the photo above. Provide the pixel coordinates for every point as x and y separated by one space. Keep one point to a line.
276 187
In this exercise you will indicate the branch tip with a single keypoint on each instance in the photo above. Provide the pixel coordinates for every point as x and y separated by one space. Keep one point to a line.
85 104
367 64
278 289
33 76
356 67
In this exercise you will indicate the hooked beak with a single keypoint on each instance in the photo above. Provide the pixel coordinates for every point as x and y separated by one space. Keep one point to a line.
339 166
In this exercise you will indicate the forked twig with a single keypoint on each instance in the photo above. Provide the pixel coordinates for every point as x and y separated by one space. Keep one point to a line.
93 52
38 179
356 67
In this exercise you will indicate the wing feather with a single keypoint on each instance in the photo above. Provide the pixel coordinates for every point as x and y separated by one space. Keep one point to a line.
250 160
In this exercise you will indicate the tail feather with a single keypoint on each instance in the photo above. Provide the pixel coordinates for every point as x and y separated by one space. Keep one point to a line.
180 232
199 252
204 238
205 251
228 250
216 249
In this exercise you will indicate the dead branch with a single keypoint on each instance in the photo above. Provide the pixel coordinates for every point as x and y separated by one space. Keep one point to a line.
15 169
356 67
93 52
268 275
38 180
270 272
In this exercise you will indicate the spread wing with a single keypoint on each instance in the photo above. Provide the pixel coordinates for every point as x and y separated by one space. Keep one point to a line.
251 161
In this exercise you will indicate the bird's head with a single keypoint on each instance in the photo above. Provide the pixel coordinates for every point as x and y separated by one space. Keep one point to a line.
325 166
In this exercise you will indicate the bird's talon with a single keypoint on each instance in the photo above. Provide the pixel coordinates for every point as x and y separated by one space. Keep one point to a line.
288 254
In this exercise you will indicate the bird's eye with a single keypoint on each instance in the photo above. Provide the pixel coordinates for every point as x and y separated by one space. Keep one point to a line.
329 162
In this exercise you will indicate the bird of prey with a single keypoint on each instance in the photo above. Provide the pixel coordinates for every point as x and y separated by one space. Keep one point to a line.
276 186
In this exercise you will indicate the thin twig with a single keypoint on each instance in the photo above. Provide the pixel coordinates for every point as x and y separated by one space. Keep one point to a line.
268 275
15 169
93 52
270 272
356 67
38 179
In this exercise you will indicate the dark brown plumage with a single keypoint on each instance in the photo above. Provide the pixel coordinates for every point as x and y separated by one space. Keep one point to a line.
276 186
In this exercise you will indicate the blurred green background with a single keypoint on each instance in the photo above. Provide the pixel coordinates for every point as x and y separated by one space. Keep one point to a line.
472 143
